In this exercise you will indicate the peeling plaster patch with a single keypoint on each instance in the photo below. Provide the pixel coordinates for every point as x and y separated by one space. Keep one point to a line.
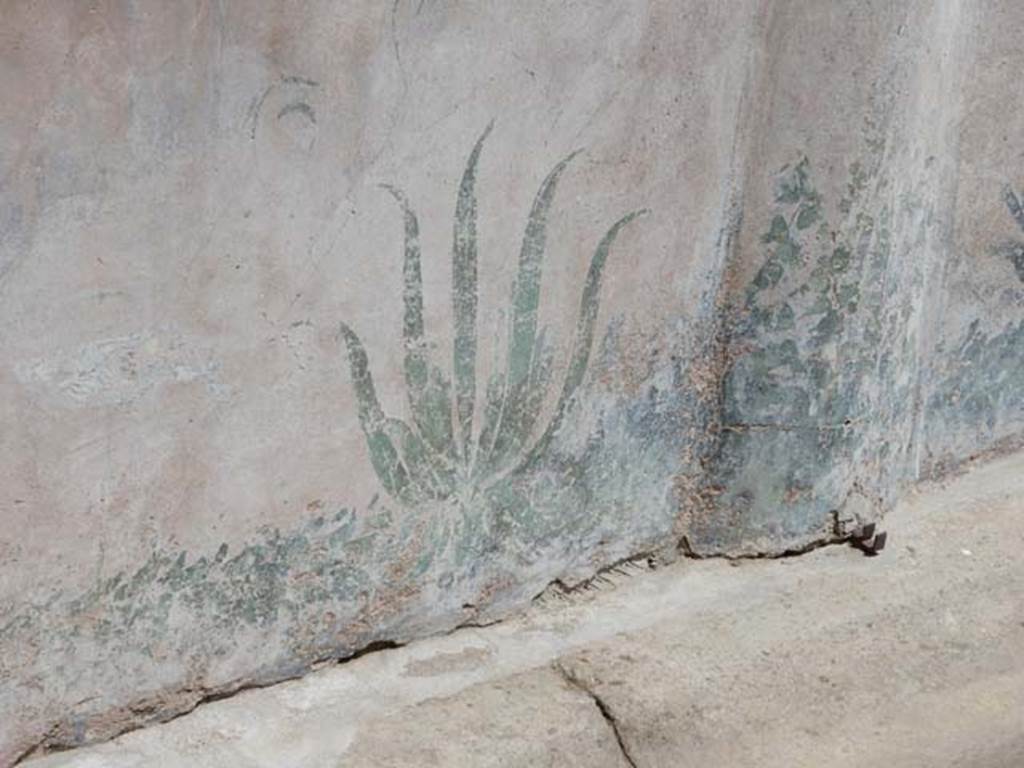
121 369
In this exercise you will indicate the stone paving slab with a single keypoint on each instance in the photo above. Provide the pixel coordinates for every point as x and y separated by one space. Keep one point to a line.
534 719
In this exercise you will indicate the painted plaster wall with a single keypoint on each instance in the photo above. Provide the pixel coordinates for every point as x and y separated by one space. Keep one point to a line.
312 342
974 399
830 320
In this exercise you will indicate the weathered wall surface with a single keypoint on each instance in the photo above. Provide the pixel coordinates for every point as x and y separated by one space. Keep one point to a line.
974 402
830 320
317 333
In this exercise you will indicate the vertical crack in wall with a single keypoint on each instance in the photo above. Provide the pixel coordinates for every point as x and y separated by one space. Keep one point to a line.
602 707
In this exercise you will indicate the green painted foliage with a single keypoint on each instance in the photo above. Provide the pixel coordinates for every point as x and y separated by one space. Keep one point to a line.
1013 250
439 454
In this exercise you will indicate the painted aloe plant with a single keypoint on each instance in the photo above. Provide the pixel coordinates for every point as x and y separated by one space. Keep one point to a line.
439 453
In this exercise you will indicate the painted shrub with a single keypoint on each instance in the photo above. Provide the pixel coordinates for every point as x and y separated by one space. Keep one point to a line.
814 341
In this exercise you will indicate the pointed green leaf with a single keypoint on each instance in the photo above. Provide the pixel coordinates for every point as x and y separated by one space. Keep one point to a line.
492 418
433 414
779 231
526 291
464 297
521 412
536 391
523 330
1013 203
412 296
384 456
428 389
494 398
429 477
807 215
589 305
